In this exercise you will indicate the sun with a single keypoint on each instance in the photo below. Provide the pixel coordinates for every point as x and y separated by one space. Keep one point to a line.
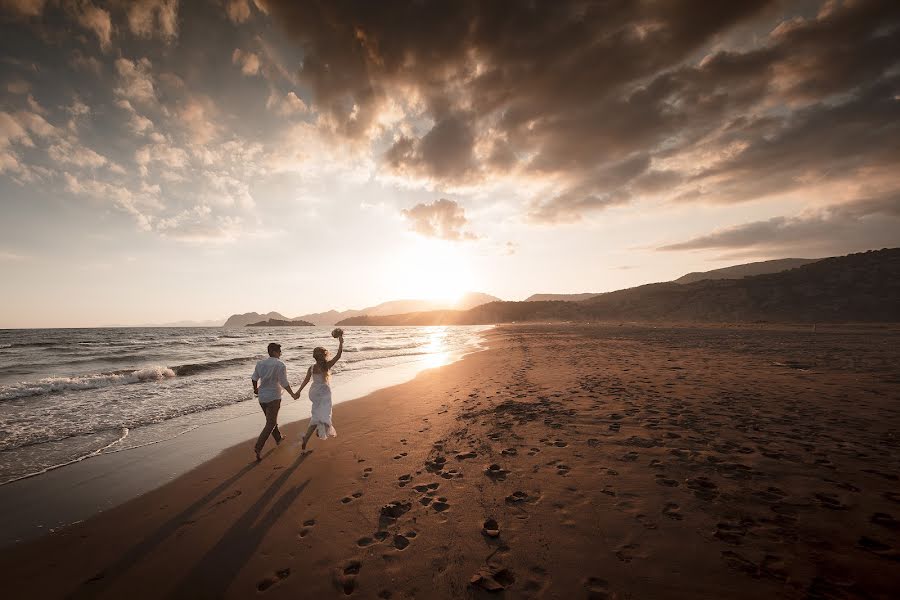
434 270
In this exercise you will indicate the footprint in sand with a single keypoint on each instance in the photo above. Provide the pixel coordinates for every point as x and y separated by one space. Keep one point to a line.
645 521
306 525
404 479
663 480
597 589
400 542
519 497
673 511
399 456
347 580
625 553
731 533
465 455
268 582
703 488
380 536
885 520
395 509
491 528
509 452
352 568
878 548
351 497
496 472
830 501
440 505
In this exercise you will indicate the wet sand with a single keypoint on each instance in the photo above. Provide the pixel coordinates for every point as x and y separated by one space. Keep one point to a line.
564 462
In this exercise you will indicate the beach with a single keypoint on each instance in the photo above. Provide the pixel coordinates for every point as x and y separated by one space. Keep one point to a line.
564 461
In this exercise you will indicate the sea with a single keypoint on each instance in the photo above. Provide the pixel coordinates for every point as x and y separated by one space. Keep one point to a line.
67 395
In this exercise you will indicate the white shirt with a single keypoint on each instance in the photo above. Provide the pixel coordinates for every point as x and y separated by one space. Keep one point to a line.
272 377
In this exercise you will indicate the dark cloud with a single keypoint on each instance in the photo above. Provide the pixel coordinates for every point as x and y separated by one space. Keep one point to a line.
566 89
847 227
444 153
443 219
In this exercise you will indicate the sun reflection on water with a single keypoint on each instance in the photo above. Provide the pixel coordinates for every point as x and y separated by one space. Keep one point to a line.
437 347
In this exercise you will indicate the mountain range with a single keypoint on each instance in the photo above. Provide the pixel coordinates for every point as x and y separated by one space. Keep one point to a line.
860 287
392 307
410 311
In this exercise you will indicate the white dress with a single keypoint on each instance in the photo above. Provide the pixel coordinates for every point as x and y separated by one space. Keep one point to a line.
320 396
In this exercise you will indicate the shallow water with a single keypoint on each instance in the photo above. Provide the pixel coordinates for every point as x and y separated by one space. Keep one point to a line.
68 394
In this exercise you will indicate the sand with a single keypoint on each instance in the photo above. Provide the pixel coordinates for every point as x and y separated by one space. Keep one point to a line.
563 462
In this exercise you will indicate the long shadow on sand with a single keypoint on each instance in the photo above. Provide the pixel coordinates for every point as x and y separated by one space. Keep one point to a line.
95 586
212 575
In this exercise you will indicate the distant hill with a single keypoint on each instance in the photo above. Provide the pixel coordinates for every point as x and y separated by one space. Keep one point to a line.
252 317
210 323
561 297
393 307
747 270
855 288
281 323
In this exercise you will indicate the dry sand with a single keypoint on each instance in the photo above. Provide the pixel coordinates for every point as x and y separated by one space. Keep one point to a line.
564 462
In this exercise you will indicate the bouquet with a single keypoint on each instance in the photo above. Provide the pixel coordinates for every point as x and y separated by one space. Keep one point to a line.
337 333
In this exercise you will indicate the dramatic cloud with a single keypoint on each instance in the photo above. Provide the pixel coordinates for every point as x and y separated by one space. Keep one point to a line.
237 10
26 8
546 113
442 219
847 227
136 80
289 104
149 18
94 19
248 61
580 94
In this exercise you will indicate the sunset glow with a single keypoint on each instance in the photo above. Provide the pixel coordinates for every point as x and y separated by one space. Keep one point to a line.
551 148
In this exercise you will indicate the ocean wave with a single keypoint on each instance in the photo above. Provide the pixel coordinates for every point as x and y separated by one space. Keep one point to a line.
51 385
29 345
384 356
182 370
122 434
394 347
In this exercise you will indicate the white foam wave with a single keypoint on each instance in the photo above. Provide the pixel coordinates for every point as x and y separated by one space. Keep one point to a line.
123 433
51 385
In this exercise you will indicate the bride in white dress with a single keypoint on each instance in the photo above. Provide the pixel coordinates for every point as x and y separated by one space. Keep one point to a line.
320 393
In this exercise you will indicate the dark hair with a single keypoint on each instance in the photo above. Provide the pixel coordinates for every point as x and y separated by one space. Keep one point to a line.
273 347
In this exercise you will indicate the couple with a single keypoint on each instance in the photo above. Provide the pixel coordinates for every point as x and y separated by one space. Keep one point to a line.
270 376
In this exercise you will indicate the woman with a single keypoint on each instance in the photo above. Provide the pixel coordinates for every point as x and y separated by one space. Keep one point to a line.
320 392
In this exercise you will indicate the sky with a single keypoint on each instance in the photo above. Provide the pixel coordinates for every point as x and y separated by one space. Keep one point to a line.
164 161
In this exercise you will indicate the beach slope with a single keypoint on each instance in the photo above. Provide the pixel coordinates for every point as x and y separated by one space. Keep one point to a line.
563 462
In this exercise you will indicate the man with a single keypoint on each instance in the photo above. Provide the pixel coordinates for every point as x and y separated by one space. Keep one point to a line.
269 377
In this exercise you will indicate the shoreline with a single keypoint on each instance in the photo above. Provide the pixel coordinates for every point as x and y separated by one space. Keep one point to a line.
100 481
565 461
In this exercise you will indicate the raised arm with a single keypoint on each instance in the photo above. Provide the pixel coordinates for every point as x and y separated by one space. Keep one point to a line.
332 362
303 385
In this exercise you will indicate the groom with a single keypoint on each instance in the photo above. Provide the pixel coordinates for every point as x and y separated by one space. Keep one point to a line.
269 377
